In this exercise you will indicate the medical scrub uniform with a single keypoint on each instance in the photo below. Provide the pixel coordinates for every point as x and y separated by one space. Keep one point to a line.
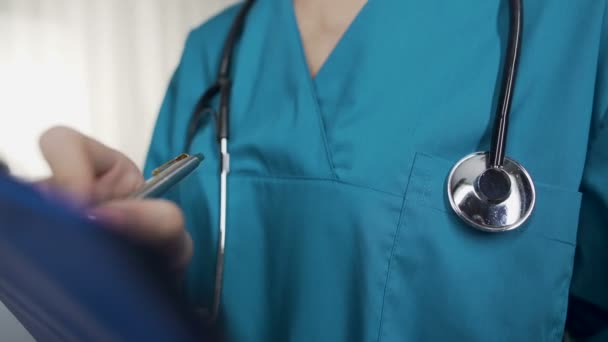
338 226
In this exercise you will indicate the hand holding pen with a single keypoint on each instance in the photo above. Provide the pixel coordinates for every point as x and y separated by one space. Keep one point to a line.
106 178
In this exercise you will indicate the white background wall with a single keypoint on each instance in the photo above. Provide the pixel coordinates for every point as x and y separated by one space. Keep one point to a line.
100 66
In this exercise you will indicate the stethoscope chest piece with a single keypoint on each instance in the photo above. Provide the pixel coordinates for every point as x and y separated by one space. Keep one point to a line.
491 199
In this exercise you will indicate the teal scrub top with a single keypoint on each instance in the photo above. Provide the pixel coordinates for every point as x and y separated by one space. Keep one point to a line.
338 224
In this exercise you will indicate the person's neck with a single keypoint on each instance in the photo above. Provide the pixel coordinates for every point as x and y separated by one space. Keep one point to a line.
322 23
329 16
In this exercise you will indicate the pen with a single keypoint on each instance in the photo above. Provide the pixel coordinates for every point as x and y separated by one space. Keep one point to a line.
167 176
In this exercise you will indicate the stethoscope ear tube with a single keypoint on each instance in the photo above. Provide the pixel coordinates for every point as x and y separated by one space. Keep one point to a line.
201 109
223 78
501 123
222 85
224 110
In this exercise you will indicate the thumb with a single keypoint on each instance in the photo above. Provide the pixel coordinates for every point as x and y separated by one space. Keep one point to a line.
158 224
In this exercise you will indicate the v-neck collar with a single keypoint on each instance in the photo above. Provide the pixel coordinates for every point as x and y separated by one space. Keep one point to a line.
340 49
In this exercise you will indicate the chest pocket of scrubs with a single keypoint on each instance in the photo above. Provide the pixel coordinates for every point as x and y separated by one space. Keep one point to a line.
449 282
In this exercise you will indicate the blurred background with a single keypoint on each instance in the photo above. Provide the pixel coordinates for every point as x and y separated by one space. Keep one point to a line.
101 67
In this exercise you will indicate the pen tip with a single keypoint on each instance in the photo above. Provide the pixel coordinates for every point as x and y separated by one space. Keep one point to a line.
199 156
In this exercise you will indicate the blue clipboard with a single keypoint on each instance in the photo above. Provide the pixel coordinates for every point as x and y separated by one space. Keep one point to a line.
68 279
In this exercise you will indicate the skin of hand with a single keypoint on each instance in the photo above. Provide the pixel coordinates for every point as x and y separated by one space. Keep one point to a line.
100 178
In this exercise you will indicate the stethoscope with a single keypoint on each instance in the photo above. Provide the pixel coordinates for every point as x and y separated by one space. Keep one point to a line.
487 190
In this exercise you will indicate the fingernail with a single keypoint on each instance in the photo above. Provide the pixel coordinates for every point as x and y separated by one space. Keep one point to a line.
106 215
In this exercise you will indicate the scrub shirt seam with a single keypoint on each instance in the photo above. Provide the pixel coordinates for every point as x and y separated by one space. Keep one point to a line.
393 248
313 179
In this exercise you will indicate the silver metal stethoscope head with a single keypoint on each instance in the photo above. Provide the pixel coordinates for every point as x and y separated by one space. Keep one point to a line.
487 190
491 199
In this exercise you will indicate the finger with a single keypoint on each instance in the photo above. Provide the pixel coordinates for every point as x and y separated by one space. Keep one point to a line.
48 189
77 160
43 185
123 178
66 153
156 223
